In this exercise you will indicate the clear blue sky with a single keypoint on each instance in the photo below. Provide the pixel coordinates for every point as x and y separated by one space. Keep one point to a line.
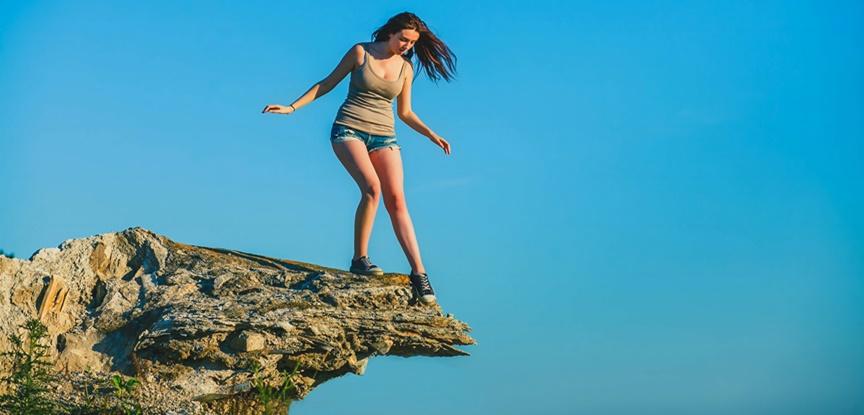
650 207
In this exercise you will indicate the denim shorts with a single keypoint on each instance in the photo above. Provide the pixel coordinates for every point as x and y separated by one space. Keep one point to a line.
341 133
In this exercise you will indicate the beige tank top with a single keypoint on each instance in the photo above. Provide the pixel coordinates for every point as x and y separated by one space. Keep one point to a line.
369 105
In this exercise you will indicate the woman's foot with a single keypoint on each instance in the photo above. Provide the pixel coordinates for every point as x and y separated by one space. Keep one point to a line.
364 266
422 288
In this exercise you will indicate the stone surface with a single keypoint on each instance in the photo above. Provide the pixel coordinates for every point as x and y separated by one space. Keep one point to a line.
187 320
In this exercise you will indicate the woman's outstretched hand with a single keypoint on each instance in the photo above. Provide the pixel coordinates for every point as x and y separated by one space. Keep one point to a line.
441 142
278 109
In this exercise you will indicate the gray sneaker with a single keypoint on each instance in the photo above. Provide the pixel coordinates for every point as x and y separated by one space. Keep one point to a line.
364 266
422 288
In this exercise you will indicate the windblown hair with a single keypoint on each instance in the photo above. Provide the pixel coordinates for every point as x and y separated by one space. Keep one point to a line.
435 57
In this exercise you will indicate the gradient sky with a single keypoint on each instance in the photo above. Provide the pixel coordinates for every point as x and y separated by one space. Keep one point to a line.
650 207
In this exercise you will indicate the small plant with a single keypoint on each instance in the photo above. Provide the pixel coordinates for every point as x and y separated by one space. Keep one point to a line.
122 400
91 406
272 398
123 392
31 374
7 254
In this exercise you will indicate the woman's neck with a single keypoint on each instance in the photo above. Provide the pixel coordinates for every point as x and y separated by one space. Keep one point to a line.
381 47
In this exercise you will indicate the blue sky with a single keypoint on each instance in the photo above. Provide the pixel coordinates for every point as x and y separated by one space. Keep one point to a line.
650 207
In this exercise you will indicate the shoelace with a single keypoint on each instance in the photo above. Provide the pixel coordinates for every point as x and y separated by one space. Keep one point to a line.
424 282
365 261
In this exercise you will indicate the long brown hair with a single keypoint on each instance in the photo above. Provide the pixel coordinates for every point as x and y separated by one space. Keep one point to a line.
435 57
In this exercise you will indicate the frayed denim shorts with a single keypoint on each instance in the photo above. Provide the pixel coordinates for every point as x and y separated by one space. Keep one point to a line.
340 133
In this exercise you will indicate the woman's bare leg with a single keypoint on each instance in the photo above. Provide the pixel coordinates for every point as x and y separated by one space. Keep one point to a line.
388 165
355 158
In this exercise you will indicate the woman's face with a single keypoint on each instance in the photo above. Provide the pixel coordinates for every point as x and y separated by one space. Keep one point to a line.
403 40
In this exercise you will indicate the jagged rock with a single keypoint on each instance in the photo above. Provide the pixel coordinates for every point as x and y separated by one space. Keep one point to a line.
187 320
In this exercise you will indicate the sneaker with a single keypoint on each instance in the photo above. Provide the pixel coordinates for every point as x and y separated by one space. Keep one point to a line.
422 288
363 266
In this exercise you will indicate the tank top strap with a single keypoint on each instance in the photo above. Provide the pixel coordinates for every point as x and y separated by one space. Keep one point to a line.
365 55
402 69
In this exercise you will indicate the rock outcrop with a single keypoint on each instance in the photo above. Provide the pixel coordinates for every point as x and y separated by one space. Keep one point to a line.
187 320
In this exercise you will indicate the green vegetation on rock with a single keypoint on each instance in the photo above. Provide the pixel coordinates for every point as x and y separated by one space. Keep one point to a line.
30 377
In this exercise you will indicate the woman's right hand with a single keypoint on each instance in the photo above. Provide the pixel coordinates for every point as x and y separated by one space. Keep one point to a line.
278 109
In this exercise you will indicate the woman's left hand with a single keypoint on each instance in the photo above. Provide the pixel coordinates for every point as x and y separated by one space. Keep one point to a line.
441 142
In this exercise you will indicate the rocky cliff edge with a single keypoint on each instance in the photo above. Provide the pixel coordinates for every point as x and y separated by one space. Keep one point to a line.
187 320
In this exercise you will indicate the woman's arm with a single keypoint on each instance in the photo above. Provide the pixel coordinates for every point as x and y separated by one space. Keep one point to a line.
322 87
403 107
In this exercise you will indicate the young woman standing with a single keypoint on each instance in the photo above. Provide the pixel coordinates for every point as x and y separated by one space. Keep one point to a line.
363 135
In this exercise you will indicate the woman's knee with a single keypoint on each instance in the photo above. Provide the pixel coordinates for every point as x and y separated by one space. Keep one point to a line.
371 190
395 202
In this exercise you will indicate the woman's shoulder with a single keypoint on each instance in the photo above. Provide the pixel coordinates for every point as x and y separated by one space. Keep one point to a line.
410 64
359 47
357 51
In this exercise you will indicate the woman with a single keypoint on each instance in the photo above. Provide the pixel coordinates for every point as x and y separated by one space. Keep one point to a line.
363 135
